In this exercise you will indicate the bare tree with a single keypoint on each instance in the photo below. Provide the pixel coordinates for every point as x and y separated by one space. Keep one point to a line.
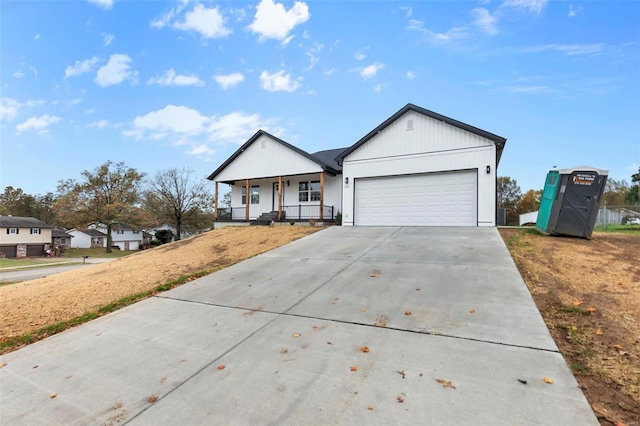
178 197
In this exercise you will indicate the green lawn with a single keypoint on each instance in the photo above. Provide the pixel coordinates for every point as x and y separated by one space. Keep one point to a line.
626 229
96 252
13 263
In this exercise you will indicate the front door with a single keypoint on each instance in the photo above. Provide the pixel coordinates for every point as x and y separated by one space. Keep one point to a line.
274 197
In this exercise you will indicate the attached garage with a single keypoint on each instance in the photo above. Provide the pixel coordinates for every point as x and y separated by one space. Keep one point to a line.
9 251
35 250
420 168
432 199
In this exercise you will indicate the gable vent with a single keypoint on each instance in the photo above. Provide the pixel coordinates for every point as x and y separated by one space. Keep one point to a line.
409 124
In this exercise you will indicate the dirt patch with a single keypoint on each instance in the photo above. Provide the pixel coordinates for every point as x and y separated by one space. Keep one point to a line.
28 306
588 292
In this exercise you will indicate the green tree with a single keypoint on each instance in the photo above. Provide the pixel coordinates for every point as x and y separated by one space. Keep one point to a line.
509 196
615 192
109 194
632 196
177 197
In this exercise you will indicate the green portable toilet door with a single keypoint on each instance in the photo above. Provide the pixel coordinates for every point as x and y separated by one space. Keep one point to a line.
546 202
577 204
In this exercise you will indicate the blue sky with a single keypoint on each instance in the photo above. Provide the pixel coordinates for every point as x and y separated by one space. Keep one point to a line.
183 84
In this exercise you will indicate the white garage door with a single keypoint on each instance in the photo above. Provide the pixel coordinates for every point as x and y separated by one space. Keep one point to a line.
436 199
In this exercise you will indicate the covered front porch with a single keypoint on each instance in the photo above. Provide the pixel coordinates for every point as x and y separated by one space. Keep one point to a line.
313 196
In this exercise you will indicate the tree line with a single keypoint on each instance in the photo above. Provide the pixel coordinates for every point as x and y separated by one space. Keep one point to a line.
115 193
510 197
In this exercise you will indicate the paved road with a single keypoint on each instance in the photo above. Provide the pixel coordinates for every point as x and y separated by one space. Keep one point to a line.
31 274
349 326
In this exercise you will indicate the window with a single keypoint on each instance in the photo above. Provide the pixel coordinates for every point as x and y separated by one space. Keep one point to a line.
120 231
12 231
136 232
309 191
63 241
255 195
35 230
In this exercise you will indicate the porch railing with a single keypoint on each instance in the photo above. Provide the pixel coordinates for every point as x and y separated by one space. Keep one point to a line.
296 212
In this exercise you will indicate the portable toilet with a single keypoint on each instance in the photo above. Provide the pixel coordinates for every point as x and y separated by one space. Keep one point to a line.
570 201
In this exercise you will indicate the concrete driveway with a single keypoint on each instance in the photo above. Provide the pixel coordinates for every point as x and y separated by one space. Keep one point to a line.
453 337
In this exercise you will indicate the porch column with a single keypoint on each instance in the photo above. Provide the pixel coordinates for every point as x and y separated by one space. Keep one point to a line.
279 197
321 195
215 203
247 200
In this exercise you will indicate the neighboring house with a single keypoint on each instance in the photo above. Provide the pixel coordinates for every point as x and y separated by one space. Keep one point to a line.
526 218
24 236
60 239
166 227
87 238
417 168
122 235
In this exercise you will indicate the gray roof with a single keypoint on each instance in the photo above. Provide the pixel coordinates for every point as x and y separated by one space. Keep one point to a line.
59 233
22 222
329 156
93 232
498 140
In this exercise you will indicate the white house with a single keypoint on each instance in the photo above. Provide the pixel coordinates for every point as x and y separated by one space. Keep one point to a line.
87 238
417 168
122 235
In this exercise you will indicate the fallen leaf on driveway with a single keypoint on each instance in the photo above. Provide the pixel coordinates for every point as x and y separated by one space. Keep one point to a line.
364 349
547 380
400 399
152 399
407 313
2 364
417 289
363 310
445 383
117 406
370 407
403 373
296 335
524 382
222 367
473 311
353 368
53 395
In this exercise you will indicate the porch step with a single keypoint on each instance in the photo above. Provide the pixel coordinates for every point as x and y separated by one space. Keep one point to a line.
266 218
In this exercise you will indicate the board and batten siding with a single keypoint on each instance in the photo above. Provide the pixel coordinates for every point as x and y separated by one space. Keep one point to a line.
269 199
416 144
267 158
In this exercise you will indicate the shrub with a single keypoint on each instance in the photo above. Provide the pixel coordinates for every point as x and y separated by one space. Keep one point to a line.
292 222
338 218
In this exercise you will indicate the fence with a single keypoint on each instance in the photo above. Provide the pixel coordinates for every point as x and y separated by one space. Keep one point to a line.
296 212
618 215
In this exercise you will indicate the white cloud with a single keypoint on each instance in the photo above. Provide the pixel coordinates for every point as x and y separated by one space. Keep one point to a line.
81 67
531 5
527 89
573 11
18 74
38 124
115 71
278 82
240 14
105 4
187 127
9 107
34 70
107 38
37 37
568 49
485 21
272 20
455 33
360 56
329 72
408 11
170 78
75 101
89 111
208 22
313 55
371 70
227 81
377 88
100 124
411 75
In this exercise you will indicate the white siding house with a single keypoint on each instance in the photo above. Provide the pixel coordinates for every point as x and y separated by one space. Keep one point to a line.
417 168
87 238
311 183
